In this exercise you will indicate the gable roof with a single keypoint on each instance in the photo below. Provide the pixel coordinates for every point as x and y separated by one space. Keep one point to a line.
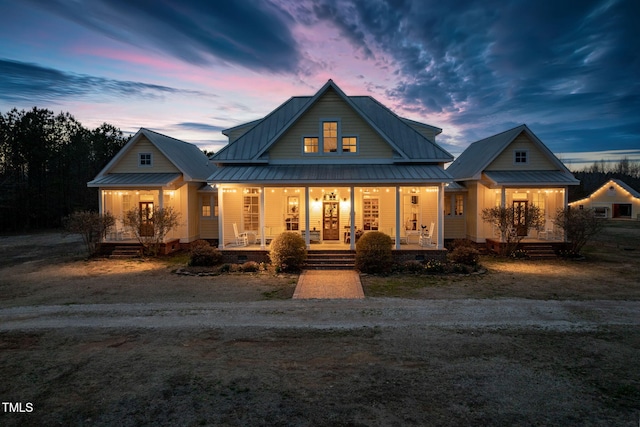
618 182
479 155
408 143
187 158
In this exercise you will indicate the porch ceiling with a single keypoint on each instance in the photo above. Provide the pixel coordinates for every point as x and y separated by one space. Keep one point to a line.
531 178
135 180
331 174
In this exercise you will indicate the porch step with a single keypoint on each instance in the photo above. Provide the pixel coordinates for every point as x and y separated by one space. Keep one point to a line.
539 251
328 259
129 251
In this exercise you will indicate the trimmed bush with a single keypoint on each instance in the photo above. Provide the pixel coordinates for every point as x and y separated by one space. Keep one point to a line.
465 255
373 253
250 267
202 254
288 252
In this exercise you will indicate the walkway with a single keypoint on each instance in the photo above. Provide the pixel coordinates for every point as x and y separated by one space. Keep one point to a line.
329 284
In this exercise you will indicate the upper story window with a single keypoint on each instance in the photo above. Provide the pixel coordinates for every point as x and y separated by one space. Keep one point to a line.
145 159
330 140
349 144
520 157
310 144
330 137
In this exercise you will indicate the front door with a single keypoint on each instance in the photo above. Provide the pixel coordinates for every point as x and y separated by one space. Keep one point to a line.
520 217
331 221
146 218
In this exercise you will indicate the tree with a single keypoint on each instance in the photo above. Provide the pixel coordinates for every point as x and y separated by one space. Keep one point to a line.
508 221
152 226
90 225
579 226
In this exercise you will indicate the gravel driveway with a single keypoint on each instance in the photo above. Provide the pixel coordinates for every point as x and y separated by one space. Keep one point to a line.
331 314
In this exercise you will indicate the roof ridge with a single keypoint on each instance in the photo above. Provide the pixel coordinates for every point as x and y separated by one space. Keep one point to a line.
167 136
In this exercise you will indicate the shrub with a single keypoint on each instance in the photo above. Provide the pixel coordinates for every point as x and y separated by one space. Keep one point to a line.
415 267
202 254
250 267
465 255
288 252
373 253
91 226
434 266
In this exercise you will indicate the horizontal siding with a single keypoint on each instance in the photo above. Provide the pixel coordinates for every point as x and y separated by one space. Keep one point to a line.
536 161
330 106
428 133
454 227
129 162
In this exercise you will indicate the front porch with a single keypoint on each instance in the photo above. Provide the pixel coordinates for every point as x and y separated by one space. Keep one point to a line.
250 217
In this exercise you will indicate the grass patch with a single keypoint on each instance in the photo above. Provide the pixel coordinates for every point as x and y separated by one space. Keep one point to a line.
400 286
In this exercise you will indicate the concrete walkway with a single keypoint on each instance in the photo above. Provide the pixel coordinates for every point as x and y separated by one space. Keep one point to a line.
329 284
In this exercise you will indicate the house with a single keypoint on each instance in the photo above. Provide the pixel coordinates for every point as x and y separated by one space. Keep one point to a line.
511 169
614 200
156 171
331 166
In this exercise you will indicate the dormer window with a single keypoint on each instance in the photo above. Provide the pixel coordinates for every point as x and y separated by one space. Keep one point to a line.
330 137
330 140
145 160
520 157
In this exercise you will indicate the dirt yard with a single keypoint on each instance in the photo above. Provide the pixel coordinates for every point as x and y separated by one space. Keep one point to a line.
570 361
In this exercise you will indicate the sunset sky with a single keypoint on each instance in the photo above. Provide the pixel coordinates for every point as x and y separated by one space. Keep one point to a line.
570 70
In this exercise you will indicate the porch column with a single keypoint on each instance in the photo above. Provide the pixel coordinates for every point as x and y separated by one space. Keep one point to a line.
503 197
160 198
220 217
352 220
100 201
262 204
440 243
398 217
307 221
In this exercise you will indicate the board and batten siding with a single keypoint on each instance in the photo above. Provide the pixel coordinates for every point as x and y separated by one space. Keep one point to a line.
330 107
536 159
129 162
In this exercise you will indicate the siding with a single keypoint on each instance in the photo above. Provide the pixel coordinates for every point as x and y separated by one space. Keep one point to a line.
330 106
536 159
129 162
428 133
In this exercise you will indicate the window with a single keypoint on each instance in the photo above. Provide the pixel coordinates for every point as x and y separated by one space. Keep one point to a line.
311 145
520 157
145 159
206 206
370 213
459 204
447 204
251 209
349 144
330 137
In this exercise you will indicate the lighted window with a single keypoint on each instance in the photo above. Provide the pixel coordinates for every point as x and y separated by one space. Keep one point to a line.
206 206
145 159
349 144
459 204
520 157
310 145
330 137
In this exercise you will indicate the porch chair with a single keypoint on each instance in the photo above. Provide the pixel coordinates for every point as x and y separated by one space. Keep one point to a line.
427 236
242 239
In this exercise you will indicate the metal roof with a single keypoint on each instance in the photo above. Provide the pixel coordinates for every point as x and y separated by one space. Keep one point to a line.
330 174
477 156
531 178
410 144
187 157
134 179
454 186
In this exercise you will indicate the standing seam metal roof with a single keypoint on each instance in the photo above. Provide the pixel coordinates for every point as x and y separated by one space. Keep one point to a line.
412 144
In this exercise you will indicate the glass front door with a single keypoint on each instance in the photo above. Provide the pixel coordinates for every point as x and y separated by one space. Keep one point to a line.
331 221
520 217
146 218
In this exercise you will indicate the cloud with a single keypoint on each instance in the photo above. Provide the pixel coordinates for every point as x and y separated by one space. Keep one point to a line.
200 127
252 34
23 81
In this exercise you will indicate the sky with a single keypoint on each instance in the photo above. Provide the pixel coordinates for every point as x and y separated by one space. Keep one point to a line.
568 69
